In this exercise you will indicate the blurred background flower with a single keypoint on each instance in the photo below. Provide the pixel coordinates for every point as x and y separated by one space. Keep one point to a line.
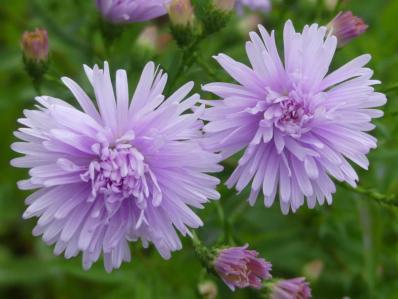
254 5
128 11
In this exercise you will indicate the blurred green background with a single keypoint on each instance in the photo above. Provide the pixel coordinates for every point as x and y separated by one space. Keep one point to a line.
349 249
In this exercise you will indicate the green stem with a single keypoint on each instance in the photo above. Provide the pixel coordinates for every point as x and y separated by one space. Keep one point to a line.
220 212
184 64
337 7
367 239
67 37
37 85
385 199
391 88
53 79
319 10
203 253
203 64
391 114
226 224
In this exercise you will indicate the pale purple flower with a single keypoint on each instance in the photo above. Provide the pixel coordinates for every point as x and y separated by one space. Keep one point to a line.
239 267
128 11
254 5
126 171
296 288
345 26
296 124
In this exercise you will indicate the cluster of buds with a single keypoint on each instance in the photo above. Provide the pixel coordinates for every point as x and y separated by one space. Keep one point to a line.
189 19
35 53
239 267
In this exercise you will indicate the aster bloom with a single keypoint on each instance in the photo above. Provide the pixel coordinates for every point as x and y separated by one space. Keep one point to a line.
239 267
108 176
297 124
345 26
296 288
129 11
255 5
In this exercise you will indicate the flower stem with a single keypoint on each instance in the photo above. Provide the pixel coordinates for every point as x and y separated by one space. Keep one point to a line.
385 199
203 64
183 65
226 223
203 253
391 88
37 85
337 7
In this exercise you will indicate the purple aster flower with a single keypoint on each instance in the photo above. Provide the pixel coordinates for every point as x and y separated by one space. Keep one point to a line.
296 288
108 176
129 11
297 124
255 5
239 267
345 26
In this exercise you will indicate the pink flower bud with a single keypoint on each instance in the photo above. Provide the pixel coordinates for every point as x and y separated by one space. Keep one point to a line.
239 267
345 26
296 288
181 12
148 38
35 45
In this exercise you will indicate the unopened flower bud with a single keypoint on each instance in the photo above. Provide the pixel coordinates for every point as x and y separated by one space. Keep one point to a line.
181 12
224 5
148 38
35 55
332 5
296 288
35 45
345 26
214 14
314 269
239 267
182 19
208 290
153 40
248 23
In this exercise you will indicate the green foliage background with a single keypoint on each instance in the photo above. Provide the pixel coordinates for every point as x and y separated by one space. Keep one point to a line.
355 239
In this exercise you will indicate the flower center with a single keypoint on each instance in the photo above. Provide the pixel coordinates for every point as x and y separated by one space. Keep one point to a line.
120 173
289 113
